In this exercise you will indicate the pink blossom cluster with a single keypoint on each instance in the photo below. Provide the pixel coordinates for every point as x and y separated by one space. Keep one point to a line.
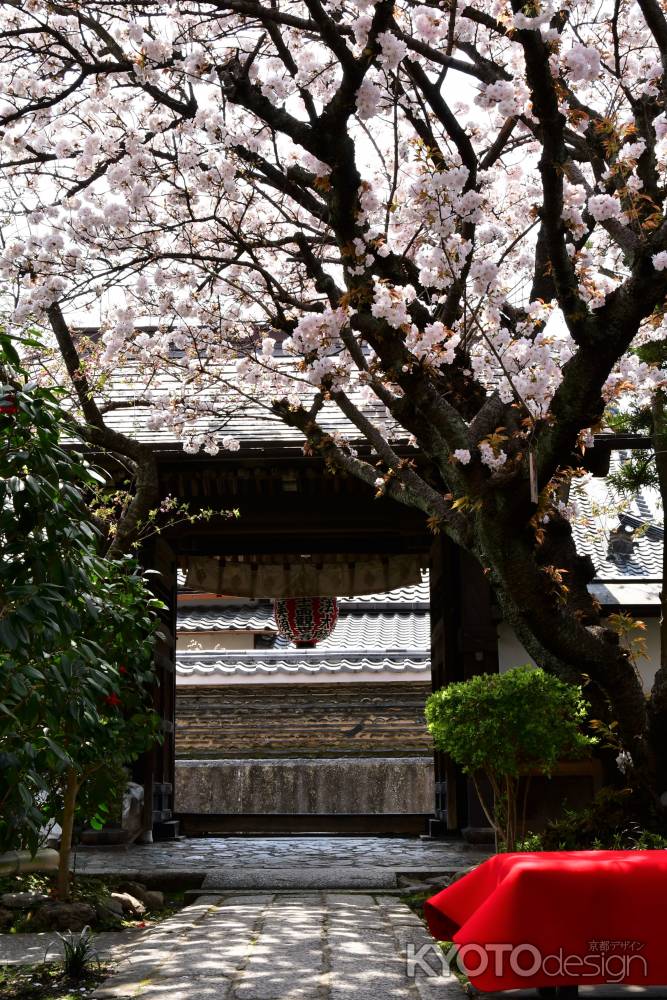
189 199
583 63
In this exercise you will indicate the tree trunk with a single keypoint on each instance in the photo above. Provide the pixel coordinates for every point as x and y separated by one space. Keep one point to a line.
565 635
658 701
69 805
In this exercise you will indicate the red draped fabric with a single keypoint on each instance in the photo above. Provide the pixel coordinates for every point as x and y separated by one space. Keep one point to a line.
558 919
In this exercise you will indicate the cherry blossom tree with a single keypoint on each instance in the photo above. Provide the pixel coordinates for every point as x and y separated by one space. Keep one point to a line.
451 211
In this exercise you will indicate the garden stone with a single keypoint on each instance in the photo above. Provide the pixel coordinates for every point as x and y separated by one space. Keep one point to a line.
151 898
136 889
60 916
109 907
132 906
22 900
6 918
133 807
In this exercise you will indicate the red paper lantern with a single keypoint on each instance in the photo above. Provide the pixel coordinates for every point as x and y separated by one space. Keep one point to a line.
305 621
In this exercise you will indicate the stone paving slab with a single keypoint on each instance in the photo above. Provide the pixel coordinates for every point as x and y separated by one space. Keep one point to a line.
32 949
298 946
191 895
308 862
185 989
279 946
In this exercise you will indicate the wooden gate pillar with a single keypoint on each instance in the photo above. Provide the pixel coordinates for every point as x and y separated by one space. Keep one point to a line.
155 768
464 642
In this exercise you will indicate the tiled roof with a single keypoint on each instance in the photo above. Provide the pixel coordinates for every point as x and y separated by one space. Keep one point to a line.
601 511
238 617
396 633
384 631
300 662
404 596
407 630
249 422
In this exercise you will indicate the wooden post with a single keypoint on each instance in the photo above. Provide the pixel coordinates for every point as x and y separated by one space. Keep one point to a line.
464 642
155 768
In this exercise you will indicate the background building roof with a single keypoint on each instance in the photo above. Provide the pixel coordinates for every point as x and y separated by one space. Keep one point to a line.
623 536
385 633
298 661
251 423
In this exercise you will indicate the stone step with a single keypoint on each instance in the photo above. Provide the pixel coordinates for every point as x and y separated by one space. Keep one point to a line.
191 896
333 877
305 877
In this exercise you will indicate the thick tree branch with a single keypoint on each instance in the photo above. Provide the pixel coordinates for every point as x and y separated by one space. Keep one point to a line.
657 22
424 498
552 162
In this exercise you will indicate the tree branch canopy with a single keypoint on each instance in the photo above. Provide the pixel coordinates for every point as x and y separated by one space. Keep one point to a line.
446 223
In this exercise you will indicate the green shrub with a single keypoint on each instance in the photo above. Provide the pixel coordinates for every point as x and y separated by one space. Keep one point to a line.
76 630
505 727
606 824
100 801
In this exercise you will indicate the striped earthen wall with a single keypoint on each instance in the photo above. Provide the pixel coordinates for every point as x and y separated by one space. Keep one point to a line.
325 720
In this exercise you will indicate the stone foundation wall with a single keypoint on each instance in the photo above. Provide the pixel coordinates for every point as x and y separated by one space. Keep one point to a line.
360 786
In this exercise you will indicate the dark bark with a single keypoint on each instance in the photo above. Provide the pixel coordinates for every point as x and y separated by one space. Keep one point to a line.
562 630
96 432
658 701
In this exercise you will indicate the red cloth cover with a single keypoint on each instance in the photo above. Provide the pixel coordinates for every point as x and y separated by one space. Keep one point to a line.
593 916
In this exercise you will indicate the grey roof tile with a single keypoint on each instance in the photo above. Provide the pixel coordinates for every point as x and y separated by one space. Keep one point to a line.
242 618
289 662
371 630
249 422
601 509
384 631
416 595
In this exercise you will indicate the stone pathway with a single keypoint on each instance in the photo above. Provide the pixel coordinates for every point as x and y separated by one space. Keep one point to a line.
280 946
310 862
305 946
284 943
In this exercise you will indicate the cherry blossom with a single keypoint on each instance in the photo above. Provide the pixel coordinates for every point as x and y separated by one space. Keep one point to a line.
445 220
604 206
583 63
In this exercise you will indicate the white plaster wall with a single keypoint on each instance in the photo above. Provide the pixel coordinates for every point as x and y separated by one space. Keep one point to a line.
512 654
510 651
202 641
371 677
